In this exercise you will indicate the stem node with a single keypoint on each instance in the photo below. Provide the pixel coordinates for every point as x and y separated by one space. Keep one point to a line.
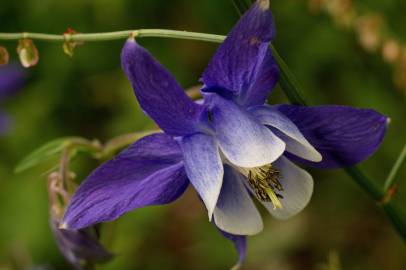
390 193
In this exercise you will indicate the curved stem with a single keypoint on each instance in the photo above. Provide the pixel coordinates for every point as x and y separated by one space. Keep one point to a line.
391 180
365 183
105 36
287 81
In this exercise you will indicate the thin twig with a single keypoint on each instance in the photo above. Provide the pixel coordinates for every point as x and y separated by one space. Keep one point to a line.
391 179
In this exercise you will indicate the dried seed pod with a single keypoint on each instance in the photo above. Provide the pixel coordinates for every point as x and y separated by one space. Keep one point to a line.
4 56
27 52
69 45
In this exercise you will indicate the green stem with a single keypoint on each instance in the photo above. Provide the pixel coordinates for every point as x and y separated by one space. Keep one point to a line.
365 183
163 33
241 5
391 179
287 81
397 217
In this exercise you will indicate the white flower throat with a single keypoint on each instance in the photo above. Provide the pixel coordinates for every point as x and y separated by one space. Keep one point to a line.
264 181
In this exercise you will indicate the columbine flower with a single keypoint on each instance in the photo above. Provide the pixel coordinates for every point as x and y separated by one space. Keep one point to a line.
11 80
229 145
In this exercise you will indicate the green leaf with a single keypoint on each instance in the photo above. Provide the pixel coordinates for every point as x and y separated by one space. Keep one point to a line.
46 152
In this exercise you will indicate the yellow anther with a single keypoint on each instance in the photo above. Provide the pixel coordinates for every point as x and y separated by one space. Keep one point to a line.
264 182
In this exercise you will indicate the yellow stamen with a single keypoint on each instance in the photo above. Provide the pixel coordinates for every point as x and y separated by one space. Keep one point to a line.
264 181
274 199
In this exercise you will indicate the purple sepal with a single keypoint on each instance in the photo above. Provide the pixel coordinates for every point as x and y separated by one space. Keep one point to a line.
265 81
243 67
240 244
149 172
343 135
158 93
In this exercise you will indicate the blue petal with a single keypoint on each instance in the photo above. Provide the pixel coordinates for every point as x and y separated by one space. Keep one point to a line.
244 141
240 244
158 93
12 78
203 167
235 211
343 135
296 143
149 172
243 67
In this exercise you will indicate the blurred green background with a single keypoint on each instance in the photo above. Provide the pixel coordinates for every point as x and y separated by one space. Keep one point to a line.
89 96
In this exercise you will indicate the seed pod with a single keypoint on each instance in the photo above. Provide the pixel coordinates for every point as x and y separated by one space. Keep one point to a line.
4 57
69 45
27 52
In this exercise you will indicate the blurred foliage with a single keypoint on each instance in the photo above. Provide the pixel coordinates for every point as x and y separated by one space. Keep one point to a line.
89 96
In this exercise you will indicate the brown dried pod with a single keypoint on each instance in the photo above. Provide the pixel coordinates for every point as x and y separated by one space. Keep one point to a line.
4 56
27 52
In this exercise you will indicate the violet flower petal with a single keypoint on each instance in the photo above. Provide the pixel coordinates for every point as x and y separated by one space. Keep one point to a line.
235 211
244 141
149 172
12 78
296 143
158 93
243 67
343 135
203 167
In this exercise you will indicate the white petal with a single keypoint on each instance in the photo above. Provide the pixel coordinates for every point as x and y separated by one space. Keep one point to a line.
243 140
298 189
235 211
203 167
296 143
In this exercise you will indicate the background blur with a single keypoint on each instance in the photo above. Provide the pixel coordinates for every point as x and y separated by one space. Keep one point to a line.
338 51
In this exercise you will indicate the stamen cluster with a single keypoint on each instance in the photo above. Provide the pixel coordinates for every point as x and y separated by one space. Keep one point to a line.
265 183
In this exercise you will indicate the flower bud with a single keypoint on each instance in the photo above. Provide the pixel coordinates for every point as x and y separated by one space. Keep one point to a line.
27 52
81 248
3 56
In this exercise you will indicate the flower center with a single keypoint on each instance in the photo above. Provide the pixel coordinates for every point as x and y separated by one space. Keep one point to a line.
265 183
